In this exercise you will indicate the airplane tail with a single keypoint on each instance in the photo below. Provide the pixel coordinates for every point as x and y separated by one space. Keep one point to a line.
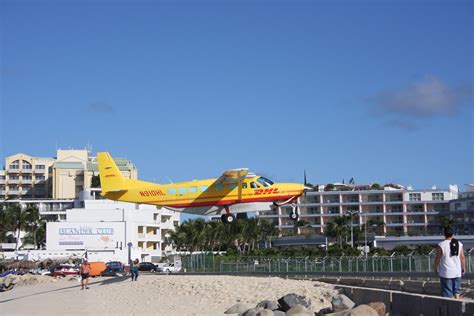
111 179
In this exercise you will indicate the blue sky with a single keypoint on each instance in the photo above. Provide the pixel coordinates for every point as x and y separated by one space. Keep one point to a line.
376 90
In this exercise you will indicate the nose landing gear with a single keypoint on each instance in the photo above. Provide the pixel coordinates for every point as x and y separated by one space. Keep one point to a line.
294 212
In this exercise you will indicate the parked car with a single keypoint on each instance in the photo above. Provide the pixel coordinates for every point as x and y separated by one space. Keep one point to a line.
65 269
170 268
147 266
115 264
113 270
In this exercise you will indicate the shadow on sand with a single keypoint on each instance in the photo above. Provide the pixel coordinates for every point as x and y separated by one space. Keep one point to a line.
107 281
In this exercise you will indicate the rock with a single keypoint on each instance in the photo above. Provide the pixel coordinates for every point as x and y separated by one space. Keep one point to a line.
288 301
341 302
267 304
324 311
299 310
266 312
363 310
238 308
252 311
278 313
379 307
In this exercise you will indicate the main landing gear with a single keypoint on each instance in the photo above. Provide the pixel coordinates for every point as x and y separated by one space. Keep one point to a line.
228 217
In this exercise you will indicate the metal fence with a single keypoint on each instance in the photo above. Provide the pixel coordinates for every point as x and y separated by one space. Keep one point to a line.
390 264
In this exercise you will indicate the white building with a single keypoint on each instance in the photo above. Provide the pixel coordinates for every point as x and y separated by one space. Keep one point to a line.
104 229
403 211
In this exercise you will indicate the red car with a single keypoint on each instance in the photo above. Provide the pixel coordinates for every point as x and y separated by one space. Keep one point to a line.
65 269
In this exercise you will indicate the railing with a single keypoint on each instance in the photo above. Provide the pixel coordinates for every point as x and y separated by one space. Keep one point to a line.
371 264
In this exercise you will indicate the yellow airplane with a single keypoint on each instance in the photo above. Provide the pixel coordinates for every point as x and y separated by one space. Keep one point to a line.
233 189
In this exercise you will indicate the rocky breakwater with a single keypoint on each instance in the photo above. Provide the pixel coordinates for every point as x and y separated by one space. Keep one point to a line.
296 305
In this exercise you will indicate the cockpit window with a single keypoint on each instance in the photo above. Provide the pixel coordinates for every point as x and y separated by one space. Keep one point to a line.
265 182
253 185
244 185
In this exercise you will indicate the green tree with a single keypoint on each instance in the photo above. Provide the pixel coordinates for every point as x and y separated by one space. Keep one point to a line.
95 181
338 228
6 226
376 186
445 222
20 219
329 187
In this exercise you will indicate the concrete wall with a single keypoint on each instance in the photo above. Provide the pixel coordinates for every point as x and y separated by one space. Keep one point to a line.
407 304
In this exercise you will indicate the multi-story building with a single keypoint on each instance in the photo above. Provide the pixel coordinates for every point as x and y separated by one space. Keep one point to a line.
402 211
62 177
26 177
104 228
461 211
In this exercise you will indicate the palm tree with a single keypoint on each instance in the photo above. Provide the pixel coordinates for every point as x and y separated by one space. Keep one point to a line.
445 221
267 230
19 219
339 228
36 235
5 227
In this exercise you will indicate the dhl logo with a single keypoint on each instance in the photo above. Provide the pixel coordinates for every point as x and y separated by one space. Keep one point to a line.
266 191
151 193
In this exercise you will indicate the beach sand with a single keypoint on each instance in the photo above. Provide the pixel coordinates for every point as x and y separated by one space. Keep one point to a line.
156 295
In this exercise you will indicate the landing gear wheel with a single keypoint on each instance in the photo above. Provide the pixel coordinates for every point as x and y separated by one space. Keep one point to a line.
294 213
294 216
228 218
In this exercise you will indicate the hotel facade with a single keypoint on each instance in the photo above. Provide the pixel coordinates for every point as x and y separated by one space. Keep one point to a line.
62 177
402 211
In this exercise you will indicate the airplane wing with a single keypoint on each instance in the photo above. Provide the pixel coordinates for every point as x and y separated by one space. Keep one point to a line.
232 176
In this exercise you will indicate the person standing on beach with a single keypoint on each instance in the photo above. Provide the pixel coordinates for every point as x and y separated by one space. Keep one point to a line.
84 271
450 264
134 269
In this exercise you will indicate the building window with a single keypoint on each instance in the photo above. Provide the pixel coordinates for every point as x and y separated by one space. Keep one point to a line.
26 165
182 191
40 178
13 187
193 189
40 167
15 165
437 196
26 177
219 187
415 196
14 178
203 188
232 186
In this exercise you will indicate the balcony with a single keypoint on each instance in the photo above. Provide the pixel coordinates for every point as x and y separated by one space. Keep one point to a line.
40 170
2 181
2 192
13 170
153 237
141 235
14 181
26 181
13 192
394 223
26 170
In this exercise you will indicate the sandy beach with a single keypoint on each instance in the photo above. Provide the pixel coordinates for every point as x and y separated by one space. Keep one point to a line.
156 295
